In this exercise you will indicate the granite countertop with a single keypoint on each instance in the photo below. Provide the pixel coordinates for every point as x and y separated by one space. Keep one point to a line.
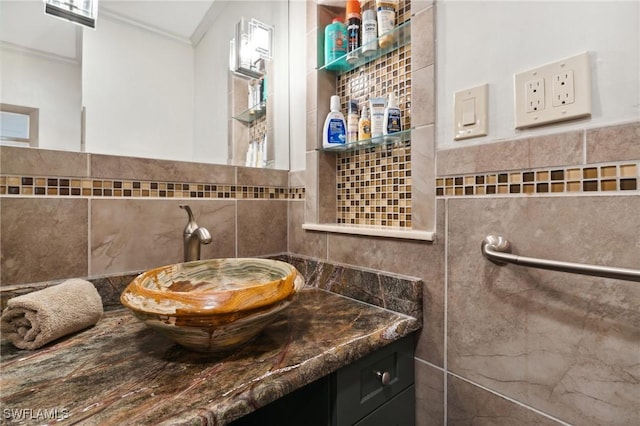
121 372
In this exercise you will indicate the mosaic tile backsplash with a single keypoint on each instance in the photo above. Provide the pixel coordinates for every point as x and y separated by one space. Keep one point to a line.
374 187
374 184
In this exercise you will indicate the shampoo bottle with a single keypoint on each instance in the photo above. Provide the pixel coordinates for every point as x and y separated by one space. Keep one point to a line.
334 132
392 121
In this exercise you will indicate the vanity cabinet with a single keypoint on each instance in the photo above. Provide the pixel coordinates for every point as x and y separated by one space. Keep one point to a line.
368 390
373 391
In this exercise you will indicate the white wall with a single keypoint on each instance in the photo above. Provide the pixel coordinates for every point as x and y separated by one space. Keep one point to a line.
137 87
50 84
40 68
489 41
212 77
298 83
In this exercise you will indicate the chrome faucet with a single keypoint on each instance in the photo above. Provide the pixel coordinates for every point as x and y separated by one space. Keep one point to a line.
193 236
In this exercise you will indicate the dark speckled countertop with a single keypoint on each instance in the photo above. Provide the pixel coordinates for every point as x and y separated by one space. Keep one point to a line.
121 372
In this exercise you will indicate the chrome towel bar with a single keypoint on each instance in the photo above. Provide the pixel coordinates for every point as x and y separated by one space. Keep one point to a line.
498 250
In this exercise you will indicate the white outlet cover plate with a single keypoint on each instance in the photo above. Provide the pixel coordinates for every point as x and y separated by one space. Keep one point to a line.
470 107
581 105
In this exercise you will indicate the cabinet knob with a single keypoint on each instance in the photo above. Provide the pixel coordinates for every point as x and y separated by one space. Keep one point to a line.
384 376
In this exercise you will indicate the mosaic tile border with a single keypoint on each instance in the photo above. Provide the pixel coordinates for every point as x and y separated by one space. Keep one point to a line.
85 187
605 177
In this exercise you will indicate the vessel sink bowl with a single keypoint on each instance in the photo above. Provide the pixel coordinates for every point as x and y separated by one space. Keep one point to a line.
213 305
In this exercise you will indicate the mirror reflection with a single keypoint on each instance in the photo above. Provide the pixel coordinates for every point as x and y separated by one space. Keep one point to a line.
151 80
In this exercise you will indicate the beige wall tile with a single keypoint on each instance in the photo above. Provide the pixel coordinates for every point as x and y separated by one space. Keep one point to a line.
297 178
314 44
327 187
422 35
423 178
503 156
456 161
130 235
562 149
615 143
423 97
419 259
312 130
312 91
42 239
32 161
311 193
563 343
468 404
116 167
262 177
262 227
429 395
306 243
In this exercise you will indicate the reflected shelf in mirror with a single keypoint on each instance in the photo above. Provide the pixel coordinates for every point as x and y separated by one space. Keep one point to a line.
253 113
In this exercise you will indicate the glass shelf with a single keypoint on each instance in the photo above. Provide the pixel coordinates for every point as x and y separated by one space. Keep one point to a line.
386 140
252 114
401 37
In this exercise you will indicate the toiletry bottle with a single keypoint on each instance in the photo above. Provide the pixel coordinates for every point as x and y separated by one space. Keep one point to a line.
364 125
352 122
334 131
392 121
251 97
377 116
369 31
354 23
386 21
335 45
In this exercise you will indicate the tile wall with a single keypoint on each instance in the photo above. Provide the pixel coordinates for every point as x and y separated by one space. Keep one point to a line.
505 345
67 214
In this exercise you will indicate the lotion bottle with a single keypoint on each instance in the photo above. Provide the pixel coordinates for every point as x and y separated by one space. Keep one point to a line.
392 121
334 132
386 21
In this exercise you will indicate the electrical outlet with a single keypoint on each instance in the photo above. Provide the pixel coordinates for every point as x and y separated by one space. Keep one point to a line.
563 88
534 95
567 95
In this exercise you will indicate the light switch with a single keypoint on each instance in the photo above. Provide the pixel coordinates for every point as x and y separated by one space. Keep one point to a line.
470 113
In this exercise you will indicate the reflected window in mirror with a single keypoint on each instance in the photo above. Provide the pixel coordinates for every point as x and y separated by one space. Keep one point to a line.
18 125
83 12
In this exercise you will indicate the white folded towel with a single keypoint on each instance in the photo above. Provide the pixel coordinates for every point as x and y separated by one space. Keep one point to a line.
34 319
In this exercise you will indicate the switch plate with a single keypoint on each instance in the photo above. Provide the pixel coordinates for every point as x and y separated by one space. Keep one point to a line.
470 113
565 94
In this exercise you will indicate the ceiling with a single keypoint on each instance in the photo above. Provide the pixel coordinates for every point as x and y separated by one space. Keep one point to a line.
177 18
23 23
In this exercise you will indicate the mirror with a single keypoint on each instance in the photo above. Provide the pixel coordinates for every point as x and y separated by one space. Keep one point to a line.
152 80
